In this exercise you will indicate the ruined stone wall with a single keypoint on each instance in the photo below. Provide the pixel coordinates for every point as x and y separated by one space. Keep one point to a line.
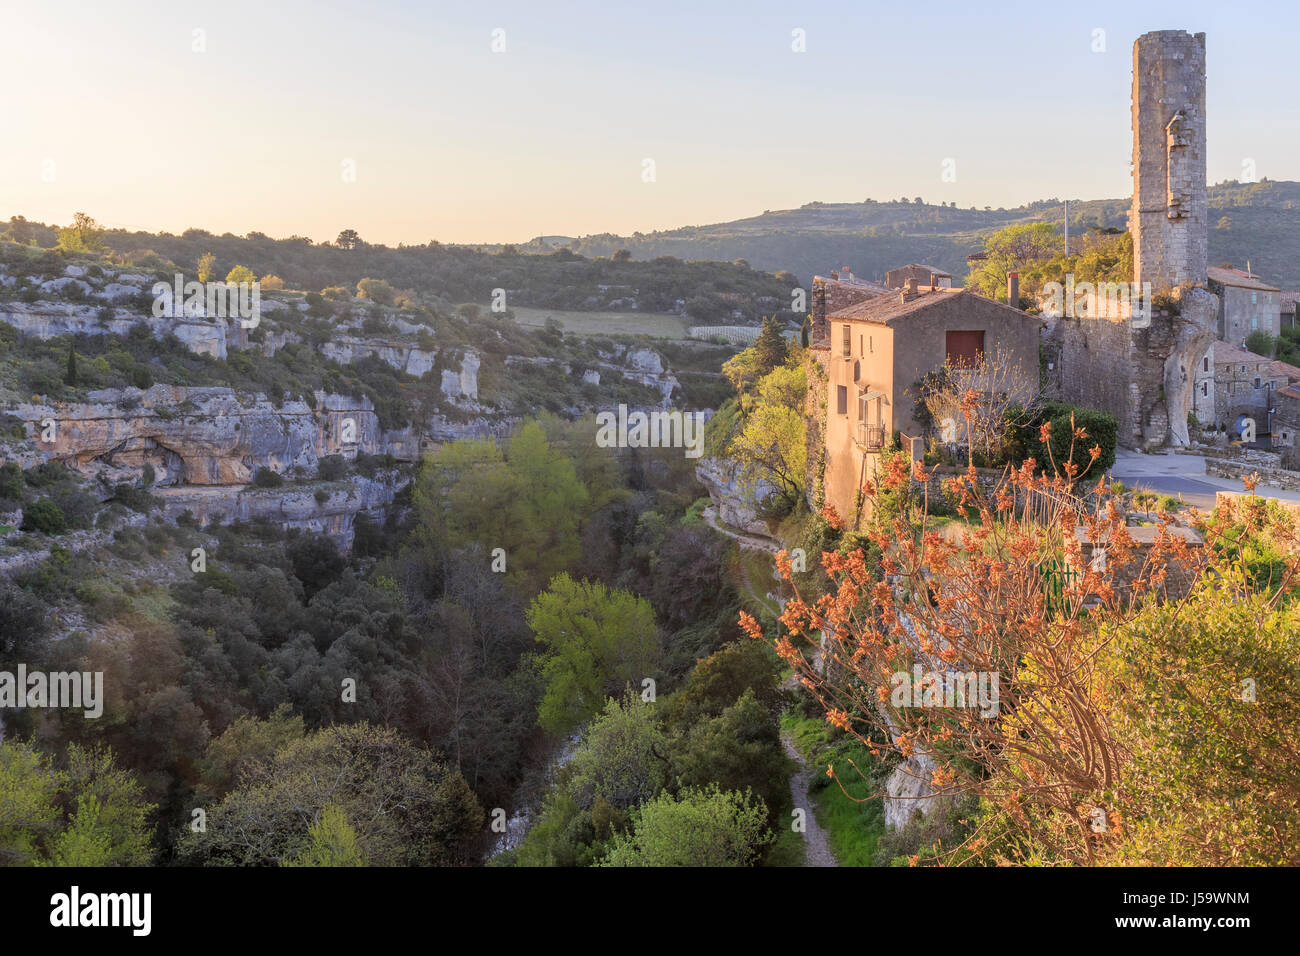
1140 372
1091 363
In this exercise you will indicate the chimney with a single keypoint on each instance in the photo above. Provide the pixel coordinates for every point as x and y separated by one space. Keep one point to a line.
934 281
911 285
1013 289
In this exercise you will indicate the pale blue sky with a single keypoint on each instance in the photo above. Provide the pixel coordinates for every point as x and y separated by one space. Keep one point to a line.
454 142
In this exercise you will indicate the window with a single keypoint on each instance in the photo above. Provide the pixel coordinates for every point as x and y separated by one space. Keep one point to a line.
1254 298
1258 383
848 340
965 348
871 346
1205 388
842 399
1207 364
1254 322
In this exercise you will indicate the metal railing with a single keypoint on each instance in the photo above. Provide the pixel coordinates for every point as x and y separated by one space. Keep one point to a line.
871 437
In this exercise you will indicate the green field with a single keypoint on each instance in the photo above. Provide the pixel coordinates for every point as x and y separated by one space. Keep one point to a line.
655 325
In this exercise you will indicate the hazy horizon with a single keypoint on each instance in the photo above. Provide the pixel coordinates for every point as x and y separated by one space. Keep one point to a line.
251 125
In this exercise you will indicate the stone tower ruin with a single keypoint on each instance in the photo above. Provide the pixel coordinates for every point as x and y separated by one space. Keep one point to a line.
1142 371
1168 223
1168 215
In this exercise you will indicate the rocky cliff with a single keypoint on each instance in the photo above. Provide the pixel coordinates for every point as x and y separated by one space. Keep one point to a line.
195 436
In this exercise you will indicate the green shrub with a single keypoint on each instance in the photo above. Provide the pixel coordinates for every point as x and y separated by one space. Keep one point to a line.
1101 427
266 478
332 468
1261 343
44 516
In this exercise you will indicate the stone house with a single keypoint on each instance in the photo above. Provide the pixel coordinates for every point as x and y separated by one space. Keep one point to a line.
1246 304
839 290
875 351
1286 425
897 278
1231 382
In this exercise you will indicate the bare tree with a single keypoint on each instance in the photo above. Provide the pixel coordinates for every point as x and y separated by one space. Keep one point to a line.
1005 397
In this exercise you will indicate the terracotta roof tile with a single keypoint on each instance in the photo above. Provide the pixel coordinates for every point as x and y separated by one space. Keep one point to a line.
1240 279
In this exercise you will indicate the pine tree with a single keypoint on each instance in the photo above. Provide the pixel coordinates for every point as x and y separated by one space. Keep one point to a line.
71 377
771 346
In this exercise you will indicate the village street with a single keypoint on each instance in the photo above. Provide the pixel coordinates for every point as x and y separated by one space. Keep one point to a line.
1182 476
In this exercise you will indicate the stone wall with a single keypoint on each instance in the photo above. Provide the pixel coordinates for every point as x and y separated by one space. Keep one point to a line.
1142 373
1270 475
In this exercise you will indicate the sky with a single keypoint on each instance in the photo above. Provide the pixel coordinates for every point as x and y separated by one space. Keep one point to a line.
401 120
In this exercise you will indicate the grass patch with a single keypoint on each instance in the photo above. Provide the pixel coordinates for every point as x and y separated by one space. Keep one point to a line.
654 325
788 850
753 580
854 821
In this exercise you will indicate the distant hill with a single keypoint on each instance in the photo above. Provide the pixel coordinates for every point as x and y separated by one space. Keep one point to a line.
540 275
1259 222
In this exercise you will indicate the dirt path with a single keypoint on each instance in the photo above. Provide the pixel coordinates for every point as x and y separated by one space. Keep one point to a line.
817 845
770 545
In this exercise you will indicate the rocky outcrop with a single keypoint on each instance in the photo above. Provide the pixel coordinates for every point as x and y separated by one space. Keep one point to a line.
641 365
405 356
46 320
737 500
462 385
291 507
197 436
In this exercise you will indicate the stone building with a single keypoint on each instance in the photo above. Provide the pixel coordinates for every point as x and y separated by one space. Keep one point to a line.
1230 383
924 276
839 290
876 351
1286 425
1246 304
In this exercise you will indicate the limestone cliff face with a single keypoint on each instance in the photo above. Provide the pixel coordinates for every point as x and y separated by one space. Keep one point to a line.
294 507
197 436
400 355
737 500
45 320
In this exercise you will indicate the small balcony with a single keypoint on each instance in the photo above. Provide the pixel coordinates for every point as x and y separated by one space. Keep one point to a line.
871 437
